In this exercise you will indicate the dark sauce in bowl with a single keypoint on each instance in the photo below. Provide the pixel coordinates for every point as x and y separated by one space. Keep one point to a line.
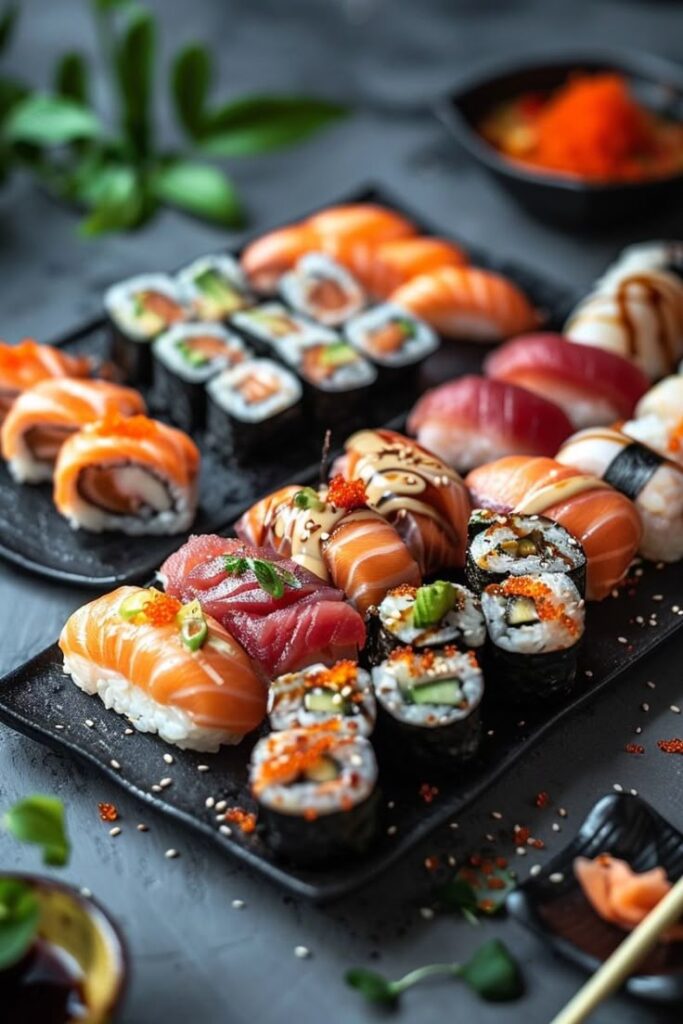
46 986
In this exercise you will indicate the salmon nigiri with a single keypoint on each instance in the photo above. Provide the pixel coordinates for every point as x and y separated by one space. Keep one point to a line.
401 259
468 303
266 259
621 895
23 365
336 536
43 417
605 522
167 667
423 498
136 475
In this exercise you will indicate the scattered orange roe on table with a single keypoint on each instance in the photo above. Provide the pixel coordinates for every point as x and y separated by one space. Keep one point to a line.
428 793
674 746
542 799
245 820
634 748
108 812
348 494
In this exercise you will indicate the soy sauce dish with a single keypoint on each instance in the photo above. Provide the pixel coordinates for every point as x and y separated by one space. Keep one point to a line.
554 906
76 968
565 198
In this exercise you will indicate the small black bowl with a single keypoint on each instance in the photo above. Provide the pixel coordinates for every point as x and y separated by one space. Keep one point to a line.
566 200
559 913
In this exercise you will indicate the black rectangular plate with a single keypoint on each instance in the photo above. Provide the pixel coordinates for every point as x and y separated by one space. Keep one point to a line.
39 700
36 537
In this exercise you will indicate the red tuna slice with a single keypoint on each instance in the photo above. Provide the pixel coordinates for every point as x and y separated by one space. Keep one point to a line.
219 591
201 548
292 638
593 386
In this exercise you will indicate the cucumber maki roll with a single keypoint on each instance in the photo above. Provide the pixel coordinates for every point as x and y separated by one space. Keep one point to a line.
518 545
139 310
271 324
252 405
216 287
185 358
337 379
432 616
535 626
322 289
342 693
429 703
316 792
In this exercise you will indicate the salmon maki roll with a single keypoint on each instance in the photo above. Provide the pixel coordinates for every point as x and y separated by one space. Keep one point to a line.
400 260
167 667
43 417
334 535
468 303
26 364
605 522
423 498
135 475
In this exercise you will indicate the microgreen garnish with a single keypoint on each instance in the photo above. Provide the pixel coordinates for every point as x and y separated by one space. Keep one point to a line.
309 498
270 577
478 889
491 972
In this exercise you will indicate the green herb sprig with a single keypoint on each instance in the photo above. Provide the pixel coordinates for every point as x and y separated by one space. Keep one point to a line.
39 820
308 498
119 174
271 577
492 972
459 894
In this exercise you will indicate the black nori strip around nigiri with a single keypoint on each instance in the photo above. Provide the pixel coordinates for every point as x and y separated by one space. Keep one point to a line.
632 469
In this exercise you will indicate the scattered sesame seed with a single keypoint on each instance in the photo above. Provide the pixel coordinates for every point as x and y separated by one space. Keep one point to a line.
202 767
451 860
209 802
60 727
238 904
171 854
490 732
128 732
221 805
633 792
588 674
156 788
557 877
638 730
453 824
86 892
497 815
658 597
521 851
645 706
225 830
640 620
617 788
534 870
556 827
391 804
142 827
622 640
165 783
392 830
115 831
89 722
675 708
168 758
650 684
115 764
301 952
562 812
427 913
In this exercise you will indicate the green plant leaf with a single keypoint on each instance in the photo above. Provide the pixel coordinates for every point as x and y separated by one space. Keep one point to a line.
373 986
200 189
190 80
457 894
259 124
19 920
11 92
41 820
50 121
8 20
493 973
71 77
134 61
117 197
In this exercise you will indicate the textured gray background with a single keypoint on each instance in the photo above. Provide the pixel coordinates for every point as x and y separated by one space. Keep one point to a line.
194 956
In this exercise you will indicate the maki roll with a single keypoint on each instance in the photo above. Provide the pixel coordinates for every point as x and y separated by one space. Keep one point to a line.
139 310
430 703
337 379
432 616
251 405
315 695
518 545
394 340
185 358
535 626
322 289
269 325
215 286
316 792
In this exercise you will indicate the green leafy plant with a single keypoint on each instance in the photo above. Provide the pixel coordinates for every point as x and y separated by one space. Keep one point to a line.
474 894
39 820
121 176
491 972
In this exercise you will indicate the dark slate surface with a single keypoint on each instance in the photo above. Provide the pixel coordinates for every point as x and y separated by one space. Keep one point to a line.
195 957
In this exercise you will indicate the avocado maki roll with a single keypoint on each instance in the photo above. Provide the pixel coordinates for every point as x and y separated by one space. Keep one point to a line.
432 616
342 693
317 793
139 310
322 289
429 703
216 287
268 326
252 405
518 545
337 380
185 358
535 626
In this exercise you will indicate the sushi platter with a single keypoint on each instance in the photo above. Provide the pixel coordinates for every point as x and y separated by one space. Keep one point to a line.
361 615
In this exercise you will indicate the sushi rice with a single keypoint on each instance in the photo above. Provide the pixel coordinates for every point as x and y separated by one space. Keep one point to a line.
313 272
121 307
225 391
518 545
170 349
534 614
318 694
463 622
216 286
415 339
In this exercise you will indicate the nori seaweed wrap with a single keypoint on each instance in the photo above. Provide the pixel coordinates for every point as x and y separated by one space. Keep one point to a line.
395 341
139 310
337 380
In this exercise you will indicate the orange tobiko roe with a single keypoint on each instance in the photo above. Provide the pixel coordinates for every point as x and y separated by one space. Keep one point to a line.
594 128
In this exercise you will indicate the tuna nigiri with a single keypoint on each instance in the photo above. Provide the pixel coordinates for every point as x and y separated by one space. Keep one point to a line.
284 616
23 365
43 417
397 261
621 895
136 475
473 420
592 385
345 543
469 303
168 668
605 522
422 497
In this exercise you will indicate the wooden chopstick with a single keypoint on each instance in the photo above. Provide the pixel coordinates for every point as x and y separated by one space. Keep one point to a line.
624 959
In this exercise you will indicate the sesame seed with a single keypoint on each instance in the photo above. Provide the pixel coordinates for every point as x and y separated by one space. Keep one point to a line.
588 674
645 706
489 838
562 812
202 767
116 831
622 640
238 904
128 732
392 830
60 727
171 854
675 708
534 870
556 827
209 802
497 815
115 764
85 892
427 913
490 732
633 792
301 952
168 758
156 788
225 830
638 730
453 824
143 828
658 597
165 783
521 851
617 788
650 684
557 877
89 722
391 804
221 805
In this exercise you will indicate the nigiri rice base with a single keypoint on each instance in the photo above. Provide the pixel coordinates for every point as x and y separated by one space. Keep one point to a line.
26 469
145 714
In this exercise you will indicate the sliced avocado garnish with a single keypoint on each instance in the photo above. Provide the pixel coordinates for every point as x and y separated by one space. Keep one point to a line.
325 769
408 327
338 354
443 691
327 701
133 605
432 602
190 355
213 284
521 611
